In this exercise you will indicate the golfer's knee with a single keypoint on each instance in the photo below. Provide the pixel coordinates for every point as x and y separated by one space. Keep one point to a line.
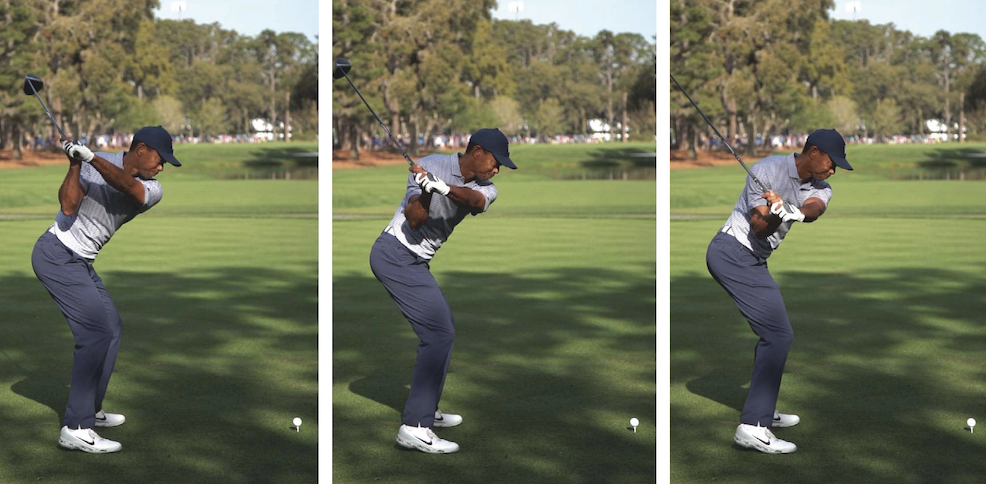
443 338
782 339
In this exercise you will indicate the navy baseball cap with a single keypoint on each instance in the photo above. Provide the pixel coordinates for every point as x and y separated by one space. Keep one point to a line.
831 142
158 138
494 141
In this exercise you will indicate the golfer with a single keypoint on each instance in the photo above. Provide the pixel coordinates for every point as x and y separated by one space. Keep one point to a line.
441 191
737 259
100 193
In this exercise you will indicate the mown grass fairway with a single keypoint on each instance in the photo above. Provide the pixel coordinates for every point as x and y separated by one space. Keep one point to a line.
884 294
553 296
217 288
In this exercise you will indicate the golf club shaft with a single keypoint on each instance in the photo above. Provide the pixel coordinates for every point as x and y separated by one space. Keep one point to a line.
59 128
763 189
384 126
755 180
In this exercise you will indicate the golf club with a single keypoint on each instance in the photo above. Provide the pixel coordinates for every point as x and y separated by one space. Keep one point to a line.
33 84
342 67
787 206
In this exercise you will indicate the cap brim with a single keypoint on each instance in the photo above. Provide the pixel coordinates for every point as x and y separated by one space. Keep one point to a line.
170 158
841 163
505 161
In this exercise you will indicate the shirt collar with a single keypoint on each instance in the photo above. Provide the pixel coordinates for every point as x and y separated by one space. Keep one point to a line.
792 167
456 172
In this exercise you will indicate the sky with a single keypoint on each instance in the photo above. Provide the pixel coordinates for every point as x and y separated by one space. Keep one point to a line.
250 17
585 17
921 18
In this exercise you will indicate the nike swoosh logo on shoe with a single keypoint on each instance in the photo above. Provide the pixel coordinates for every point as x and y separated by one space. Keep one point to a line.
766 442
86 441
423 440
439 418
777 419
104 418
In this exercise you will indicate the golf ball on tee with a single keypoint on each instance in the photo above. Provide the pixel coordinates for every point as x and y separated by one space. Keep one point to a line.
297 422
634 422
971 422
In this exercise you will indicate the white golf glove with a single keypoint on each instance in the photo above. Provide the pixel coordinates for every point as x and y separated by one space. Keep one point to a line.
793 216
431 183
77 151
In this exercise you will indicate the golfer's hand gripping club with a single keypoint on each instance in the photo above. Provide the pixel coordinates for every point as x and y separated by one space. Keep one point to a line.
76 150
787 212
431 183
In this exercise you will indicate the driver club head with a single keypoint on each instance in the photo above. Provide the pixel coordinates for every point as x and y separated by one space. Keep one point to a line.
342 68
33 84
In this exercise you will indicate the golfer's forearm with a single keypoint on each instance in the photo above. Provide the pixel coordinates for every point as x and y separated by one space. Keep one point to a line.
810 218
117 178
416 211
763 225
467 197
70 194
813 208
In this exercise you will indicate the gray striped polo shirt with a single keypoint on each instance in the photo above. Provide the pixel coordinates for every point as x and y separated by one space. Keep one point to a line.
780 174
103 211
443 213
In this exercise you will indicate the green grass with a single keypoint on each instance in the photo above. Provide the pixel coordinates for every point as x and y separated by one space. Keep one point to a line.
217 288
884 293
553 296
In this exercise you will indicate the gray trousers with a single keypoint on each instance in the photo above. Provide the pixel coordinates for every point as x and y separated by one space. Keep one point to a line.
744 276
407 278
95 323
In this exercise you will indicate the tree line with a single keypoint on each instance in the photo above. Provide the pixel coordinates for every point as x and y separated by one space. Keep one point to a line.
772 67
110 66
429 67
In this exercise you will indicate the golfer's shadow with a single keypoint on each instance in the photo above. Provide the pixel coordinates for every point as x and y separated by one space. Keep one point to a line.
723 386
48 389
386 388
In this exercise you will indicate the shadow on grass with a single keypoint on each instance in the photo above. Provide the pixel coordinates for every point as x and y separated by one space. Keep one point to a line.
614 157
282 156
940 160
282 162
547 369
878 359
207 360
388 388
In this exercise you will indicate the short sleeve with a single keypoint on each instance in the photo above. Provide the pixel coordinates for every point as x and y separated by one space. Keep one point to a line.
489 192
823 192
85 176
412 187
152 193
751 192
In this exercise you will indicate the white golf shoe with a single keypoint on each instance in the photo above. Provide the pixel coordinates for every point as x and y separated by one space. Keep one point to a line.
423 439
762 439
446 419
104 419
87 440
785 420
